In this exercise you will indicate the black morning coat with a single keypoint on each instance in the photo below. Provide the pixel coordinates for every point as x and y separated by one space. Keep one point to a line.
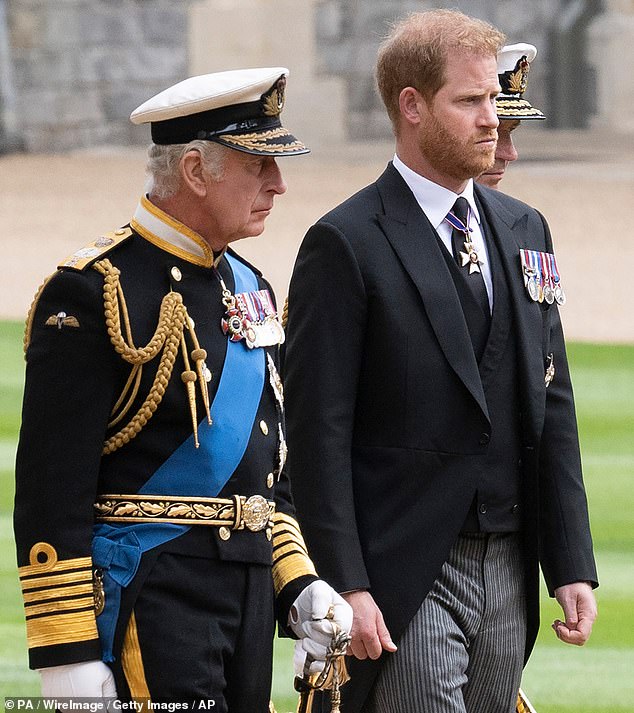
387 416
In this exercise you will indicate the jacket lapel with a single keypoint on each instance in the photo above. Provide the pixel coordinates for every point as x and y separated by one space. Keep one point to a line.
511 234
415 242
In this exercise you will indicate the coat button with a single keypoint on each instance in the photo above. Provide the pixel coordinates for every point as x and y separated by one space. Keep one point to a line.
270 480
515 509
484 439
482 509
176 274
264 428
224 533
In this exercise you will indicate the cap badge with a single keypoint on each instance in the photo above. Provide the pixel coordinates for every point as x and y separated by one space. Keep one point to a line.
273 100
518 80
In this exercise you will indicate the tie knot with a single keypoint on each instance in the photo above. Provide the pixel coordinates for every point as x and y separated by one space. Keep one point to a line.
461 209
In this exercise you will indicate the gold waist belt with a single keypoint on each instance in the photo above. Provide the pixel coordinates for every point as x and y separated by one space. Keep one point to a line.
236 513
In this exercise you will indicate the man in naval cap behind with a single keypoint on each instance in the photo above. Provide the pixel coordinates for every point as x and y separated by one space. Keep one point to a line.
514 63
155 532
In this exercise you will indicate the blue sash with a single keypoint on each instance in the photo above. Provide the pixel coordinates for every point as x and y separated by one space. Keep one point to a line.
189 471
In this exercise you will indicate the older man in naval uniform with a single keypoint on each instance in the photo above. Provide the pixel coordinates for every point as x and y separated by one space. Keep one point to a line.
514 63
155 532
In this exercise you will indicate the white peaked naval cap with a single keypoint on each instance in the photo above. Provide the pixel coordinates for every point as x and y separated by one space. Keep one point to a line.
514 63
239 108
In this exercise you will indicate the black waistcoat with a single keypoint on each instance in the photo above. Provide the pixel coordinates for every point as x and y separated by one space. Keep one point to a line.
496 505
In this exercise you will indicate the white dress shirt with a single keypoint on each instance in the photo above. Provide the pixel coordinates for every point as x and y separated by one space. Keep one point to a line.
436 202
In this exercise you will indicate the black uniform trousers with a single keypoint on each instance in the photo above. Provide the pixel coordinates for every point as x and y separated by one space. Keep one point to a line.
214 619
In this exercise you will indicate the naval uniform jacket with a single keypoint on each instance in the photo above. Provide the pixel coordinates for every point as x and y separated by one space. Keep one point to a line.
387 420
74 376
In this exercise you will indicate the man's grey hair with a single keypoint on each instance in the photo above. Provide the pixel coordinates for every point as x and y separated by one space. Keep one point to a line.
163 162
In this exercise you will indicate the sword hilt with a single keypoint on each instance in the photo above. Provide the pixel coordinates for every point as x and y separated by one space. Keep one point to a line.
332 677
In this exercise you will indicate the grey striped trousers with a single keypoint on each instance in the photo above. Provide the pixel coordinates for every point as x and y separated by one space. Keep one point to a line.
463 650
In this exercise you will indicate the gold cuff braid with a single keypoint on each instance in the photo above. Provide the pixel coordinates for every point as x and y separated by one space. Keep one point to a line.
290 556
58 598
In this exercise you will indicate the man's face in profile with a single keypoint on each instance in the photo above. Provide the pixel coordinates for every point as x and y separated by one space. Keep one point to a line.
505 153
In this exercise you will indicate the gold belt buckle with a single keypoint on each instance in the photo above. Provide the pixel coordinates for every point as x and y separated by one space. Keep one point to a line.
256 513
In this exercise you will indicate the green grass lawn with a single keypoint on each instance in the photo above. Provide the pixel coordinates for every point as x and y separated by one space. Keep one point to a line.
559 679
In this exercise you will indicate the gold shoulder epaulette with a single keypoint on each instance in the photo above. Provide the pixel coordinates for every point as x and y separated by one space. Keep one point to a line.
84 257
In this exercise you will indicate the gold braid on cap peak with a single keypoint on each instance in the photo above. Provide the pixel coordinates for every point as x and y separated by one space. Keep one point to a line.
169 335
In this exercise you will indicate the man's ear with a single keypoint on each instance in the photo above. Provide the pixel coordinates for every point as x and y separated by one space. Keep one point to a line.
192 173
410 103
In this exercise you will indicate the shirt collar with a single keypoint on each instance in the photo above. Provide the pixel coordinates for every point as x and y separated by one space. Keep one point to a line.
435 200
171 235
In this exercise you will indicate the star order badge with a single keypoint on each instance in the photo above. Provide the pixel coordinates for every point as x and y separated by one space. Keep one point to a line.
470 257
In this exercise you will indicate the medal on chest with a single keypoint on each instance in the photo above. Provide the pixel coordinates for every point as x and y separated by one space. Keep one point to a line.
251 316
541 277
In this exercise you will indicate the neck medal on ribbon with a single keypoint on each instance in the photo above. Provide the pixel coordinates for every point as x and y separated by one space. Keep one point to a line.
251 316
469 256
541 277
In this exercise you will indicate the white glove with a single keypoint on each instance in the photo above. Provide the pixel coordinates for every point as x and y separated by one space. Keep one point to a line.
307 617
317 653
88 679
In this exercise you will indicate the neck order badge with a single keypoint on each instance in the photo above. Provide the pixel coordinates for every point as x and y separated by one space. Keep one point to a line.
459 218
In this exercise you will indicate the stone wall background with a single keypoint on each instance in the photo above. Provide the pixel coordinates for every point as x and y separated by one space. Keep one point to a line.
80 66
350 31
71 71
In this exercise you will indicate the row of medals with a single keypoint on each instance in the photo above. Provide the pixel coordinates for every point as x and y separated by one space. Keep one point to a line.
543 288
541 277
238 324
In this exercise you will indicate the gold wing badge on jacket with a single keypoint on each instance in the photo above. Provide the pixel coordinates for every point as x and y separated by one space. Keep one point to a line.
61 319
